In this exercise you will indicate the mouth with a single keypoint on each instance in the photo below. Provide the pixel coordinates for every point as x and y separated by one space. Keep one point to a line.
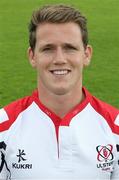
60 71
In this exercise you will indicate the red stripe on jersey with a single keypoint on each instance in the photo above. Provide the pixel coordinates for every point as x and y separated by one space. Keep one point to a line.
13 110
65 121
57 121
107 111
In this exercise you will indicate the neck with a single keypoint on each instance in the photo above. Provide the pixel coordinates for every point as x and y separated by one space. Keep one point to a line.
61 104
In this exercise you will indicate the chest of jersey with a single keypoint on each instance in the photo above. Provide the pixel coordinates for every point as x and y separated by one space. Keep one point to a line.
39 149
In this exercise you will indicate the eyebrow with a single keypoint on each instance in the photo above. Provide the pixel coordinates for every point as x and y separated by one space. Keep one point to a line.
53 45
46 45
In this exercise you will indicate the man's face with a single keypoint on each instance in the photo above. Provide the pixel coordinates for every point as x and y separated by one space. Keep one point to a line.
59 57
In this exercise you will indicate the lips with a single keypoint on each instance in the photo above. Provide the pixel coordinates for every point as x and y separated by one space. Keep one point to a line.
60 71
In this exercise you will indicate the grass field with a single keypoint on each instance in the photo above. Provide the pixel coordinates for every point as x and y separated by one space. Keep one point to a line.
17 78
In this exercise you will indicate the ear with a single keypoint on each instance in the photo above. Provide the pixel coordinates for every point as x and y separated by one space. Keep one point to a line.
88 55
31 57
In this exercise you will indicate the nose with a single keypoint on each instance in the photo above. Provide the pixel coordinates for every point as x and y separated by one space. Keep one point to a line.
59 57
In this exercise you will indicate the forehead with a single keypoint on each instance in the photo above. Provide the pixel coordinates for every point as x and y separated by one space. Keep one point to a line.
54 32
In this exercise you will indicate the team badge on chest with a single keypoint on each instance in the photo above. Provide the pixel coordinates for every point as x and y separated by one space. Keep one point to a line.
105 157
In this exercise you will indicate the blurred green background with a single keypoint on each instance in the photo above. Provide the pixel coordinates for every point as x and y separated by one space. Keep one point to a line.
18 79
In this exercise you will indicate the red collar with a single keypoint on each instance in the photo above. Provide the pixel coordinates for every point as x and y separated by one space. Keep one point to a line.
67 118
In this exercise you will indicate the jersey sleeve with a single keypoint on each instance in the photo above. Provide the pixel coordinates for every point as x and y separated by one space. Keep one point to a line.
111 115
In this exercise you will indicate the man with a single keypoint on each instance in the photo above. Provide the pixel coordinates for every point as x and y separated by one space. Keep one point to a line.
61 131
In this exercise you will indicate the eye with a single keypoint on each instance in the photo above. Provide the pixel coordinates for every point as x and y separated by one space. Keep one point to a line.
70 47
46 49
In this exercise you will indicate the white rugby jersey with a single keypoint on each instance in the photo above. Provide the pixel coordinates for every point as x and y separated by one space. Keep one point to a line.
36 144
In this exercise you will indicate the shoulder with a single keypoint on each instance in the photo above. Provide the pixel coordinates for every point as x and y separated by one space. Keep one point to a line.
109 113
104 108
9 113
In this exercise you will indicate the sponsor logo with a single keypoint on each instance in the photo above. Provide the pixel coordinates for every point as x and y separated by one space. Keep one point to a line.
21 158
105 157
21 166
